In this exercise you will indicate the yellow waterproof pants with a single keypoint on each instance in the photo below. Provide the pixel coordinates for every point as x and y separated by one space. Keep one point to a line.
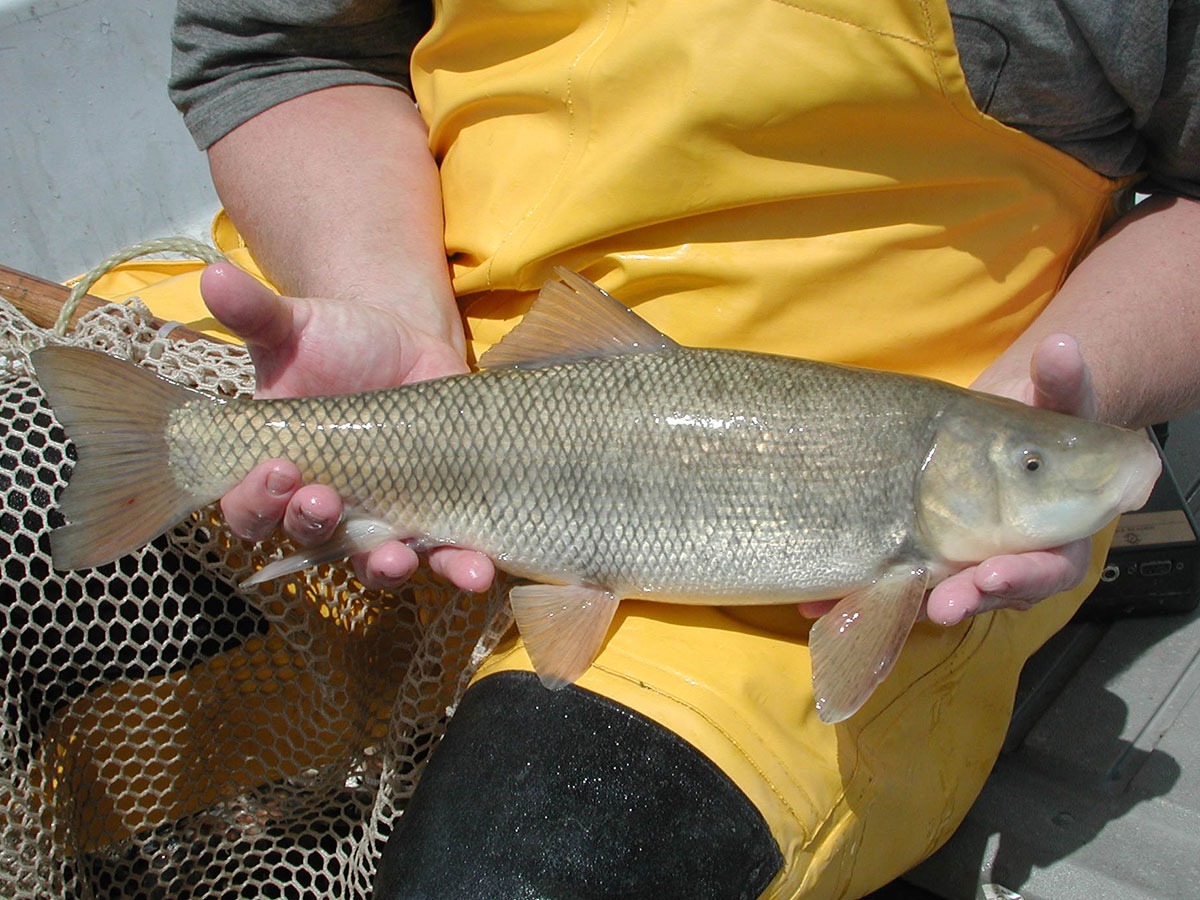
807 178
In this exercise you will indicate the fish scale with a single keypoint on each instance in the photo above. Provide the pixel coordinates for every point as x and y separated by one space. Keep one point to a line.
597 457
642 472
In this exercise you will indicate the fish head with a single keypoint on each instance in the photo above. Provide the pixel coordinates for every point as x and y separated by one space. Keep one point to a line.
1003 477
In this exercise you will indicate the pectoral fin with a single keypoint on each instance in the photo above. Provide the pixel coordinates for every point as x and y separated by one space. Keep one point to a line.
854 646
357 533
563 627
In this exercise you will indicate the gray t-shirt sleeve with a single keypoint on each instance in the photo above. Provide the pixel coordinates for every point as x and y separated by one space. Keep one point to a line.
1172 128
232 59
1115 84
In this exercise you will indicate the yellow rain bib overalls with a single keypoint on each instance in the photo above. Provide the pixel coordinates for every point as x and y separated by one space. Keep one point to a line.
804 178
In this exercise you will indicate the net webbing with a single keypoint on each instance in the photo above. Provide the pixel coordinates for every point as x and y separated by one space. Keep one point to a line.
166 733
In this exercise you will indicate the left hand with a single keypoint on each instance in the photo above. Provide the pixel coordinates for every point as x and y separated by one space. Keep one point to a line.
306 346
1058 380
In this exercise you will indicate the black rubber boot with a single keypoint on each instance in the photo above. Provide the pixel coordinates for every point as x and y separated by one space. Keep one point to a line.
541 795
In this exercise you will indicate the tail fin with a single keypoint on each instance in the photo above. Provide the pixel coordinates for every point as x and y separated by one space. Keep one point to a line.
121 494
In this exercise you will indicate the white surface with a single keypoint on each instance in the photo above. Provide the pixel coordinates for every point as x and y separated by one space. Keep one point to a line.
93 156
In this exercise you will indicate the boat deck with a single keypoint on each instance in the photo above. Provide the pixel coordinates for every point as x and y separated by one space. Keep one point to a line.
1098 791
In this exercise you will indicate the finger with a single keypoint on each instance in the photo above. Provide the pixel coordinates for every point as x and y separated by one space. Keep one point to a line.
1061 379
312 515
245 305
1019 581
465 569
954 599
1029 577
814 609
268 323
256 506
385 567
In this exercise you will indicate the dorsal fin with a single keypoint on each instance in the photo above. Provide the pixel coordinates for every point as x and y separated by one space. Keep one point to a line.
573 319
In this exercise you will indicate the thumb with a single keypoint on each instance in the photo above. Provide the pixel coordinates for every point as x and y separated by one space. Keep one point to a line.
246 306
1061 379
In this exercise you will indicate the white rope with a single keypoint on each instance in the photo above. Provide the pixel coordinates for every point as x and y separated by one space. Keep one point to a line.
183 245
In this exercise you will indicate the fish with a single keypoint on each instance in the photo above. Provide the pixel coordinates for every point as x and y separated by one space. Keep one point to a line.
596 459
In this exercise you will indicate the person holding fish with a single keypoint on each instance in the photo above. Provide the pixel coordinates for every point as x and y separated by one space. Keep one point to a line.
898 186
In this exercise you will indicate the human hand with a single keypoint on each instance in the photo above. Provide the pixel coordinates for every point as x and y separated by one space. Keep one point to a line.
311 347
1059 380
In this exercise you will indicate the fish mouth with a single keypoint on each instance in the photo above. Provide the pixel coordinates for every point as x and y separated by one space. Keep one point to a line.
1140 478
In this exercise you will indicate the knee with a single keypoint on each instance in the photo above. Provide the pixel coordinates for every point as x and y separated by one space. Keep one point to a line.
540 794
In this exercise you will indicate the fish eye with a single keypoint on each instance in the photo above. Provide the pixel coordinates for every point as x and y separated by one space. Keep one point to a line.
1031 460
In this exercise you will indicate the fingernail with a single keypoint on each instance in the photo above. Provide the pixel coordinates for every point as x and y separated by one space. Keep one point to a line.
280 483
947 613
474 581
992 583
315 524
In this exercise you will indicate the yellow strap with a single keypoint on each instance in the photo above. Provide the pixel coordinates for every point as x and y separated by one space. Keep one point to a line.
802 178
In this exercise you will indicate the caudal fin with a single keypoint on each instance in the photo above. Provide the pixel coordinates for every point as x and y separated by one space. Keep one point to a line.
121 494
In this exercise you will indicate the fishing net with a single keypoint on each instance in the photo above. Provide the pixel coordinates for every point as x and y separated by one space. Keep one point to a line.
166 733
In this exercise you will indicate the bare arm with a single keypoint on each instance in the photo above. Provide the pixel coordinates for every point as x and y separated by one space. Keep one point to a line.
1134 307
337 196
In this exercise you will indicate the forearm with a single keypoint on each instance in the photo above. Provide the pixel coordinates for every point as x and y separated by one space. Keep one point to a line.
1134 306
337 196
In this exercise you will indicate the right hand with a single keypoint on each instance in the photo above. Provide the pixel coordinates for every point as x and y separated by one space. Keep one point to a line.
317 347
1058 379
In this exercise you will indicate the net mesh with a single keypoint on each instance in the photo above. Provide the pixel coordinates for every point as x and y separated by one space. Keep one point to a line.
166 733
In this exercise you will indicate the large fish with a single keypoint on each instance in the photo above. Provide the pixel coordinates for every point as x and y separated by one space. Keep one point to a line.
597 457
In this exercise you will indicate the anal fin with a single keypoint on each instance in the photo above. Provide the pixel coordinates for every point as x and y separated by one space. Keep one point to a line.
357 533
854 646
563 627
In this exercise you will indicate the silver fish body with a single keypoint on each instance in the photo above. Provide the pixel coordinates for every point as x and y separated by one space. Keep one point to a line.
699 474
631 468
